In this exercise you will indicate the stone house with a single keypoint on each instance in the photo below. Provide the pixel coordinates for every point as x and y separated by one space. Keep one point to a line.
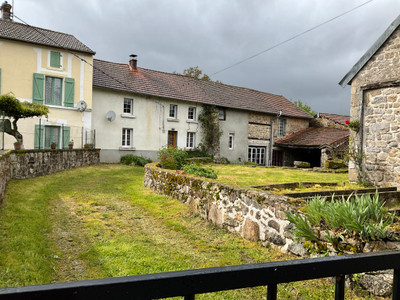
375 104
47 67
326 138
139 111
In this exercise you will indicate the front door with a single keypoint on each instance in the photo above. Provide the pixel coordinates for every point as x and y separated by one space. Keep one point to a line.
172 136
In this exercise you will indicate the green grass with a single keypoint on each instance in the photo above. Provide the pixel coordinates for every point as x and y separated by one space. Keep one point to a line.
247 176
100 221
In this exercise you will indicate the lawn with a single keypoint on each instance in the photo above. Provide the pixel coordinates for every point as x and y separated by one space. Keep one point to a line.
99 221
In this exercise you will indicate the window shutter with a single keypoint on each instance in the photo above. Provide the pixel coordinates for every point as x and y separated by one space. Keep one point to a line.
38 83
55 58
66 136
39 137
69 92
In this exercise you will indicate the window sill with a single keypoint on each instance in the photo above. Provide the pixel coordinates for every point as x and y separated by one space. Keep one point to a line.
127 148
128 116
172 120
192 121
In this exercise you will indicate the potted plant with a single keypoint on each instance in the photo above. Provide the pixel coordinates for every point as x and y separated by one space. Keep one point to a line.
17 145
86 146
53 145
71 144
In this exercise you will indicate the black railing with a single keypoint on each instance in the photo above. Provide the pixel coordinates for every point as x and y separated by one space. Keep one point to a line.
192 282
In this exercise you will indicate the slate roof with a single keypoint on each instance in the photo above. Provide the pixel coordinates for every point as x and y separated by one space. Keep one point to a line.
340 119
117 76
370 52
20 32
314 137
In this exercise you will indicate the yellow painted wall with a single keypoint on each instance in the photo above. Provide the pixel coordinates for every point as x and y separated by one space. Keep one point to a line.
18 62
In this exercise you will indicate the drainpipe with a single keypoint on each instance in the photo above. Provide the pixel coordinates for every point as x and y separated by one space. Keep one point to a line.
271 140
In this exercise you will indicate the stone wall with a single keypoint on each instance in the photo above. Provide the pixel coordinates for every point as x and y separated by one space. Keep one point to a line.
32 163
379 87
255 215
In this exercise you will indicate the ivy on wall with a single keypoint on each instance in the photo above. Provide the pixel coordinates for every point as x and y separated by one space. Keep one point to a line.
209 124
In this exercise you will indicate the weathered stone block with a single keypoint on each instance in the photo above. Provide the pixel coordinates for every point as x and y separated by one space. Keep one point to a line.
251 230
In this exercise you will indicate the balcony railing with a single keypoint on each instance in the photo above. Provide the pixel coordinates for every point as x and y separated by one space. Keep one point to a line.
192 282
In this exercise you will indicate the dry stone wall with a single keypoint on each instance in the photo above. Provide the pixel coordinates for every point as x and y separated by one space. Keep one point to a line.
255 215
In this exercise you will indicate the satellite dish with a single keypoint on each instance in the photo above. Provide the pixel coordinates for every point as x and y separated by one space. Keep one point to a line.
110 116
81 105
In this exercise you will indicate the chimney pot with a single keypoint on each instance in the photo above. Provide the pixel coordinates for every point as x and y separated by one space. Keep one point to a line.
133 62
6 11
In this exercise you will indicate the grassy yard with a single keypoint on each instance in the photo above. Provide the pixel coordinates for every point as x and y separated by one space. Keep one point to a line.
100 221
247 176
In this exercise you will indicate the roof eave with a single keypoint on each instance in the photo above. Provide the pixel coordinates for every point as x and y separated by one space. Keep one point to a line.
370 52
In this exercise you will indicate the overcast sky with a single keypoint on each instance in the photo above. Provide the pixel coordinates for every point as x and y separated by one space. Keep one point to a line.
172 35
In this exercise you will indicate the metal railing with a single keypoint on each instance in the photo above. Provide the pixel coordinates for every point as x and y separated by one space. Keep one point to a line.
192 282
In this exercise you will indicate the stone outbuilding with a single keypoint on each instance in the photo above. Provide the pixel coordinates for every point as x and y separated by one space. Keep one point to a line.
375 105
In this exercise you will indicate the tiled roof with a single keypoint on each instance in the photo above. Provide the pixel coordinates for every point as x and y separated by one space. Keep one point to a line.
314 137
340 119
25 33
119 77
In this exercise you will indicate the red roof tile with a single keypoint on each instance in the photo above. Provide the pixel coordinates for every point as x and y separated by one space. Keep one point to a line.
340 119
119 77
314 137
25 33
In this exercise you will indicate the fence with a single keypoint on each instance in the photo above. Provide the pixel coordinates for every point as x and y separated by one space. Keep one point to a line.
189 283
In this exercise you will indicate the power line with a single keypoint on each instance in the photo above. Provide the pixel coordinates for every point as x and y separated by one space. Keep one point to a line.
292 38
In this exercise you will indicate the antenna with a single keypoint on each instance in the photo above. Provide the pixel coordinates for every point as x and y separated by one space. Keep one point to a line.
81 105
110 116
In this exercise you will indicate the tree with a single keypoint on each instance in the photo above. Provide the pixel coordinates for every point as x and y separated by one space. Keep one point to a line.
15 110
195 72
305 107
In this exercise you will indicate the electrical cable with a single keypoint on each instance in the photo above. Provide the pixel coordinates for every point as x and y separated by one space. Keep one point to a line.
292 38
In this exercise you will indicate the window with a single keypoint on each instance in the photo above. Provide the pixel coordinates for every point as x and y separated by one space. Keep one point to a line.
222 114
55 59
128 106
173 111
281 127
45 135
257 155
53 91
127 137
231 140
192 113
191 140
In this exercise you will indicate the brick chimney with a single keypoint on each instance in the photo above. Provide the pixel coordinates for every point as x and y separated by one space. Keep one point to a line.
133 62
6 11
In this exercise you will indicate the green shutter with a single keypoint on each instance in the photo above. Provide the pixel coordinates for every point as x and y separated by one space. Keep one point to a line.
39 138
69 92
66 135
38 88
55 58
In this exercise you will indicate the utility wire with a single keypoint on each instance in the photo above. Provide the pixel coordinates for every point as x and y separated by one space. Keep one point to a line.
292 38
69 51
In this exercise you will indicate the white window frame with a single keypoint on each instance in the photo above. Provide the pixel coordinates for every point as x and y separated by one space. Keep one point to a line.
281 127
191 140
231 141
127 138
192 113
257 155
222 114
173 111
130 101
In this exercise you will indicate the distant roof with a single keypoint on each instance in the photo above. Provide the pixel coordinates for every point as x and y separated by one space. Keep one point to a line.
117 76
20 32
371 51
314 137
340 119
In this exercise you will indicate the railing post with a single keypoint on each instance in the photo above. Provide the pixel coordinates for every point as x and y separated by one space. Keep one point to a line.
396 284
188 297
272 290
339 287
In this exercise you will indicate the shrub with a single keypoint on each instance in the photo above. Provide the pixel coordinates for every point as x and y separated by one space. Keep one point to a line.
130 159
200 171
360 219
198 160
222 161
172 158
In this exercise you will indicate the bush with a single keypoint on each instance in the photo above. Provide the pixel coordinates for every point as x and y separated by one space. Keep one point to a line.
198 160
200 171
222 161
130 159
360 219
172 158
